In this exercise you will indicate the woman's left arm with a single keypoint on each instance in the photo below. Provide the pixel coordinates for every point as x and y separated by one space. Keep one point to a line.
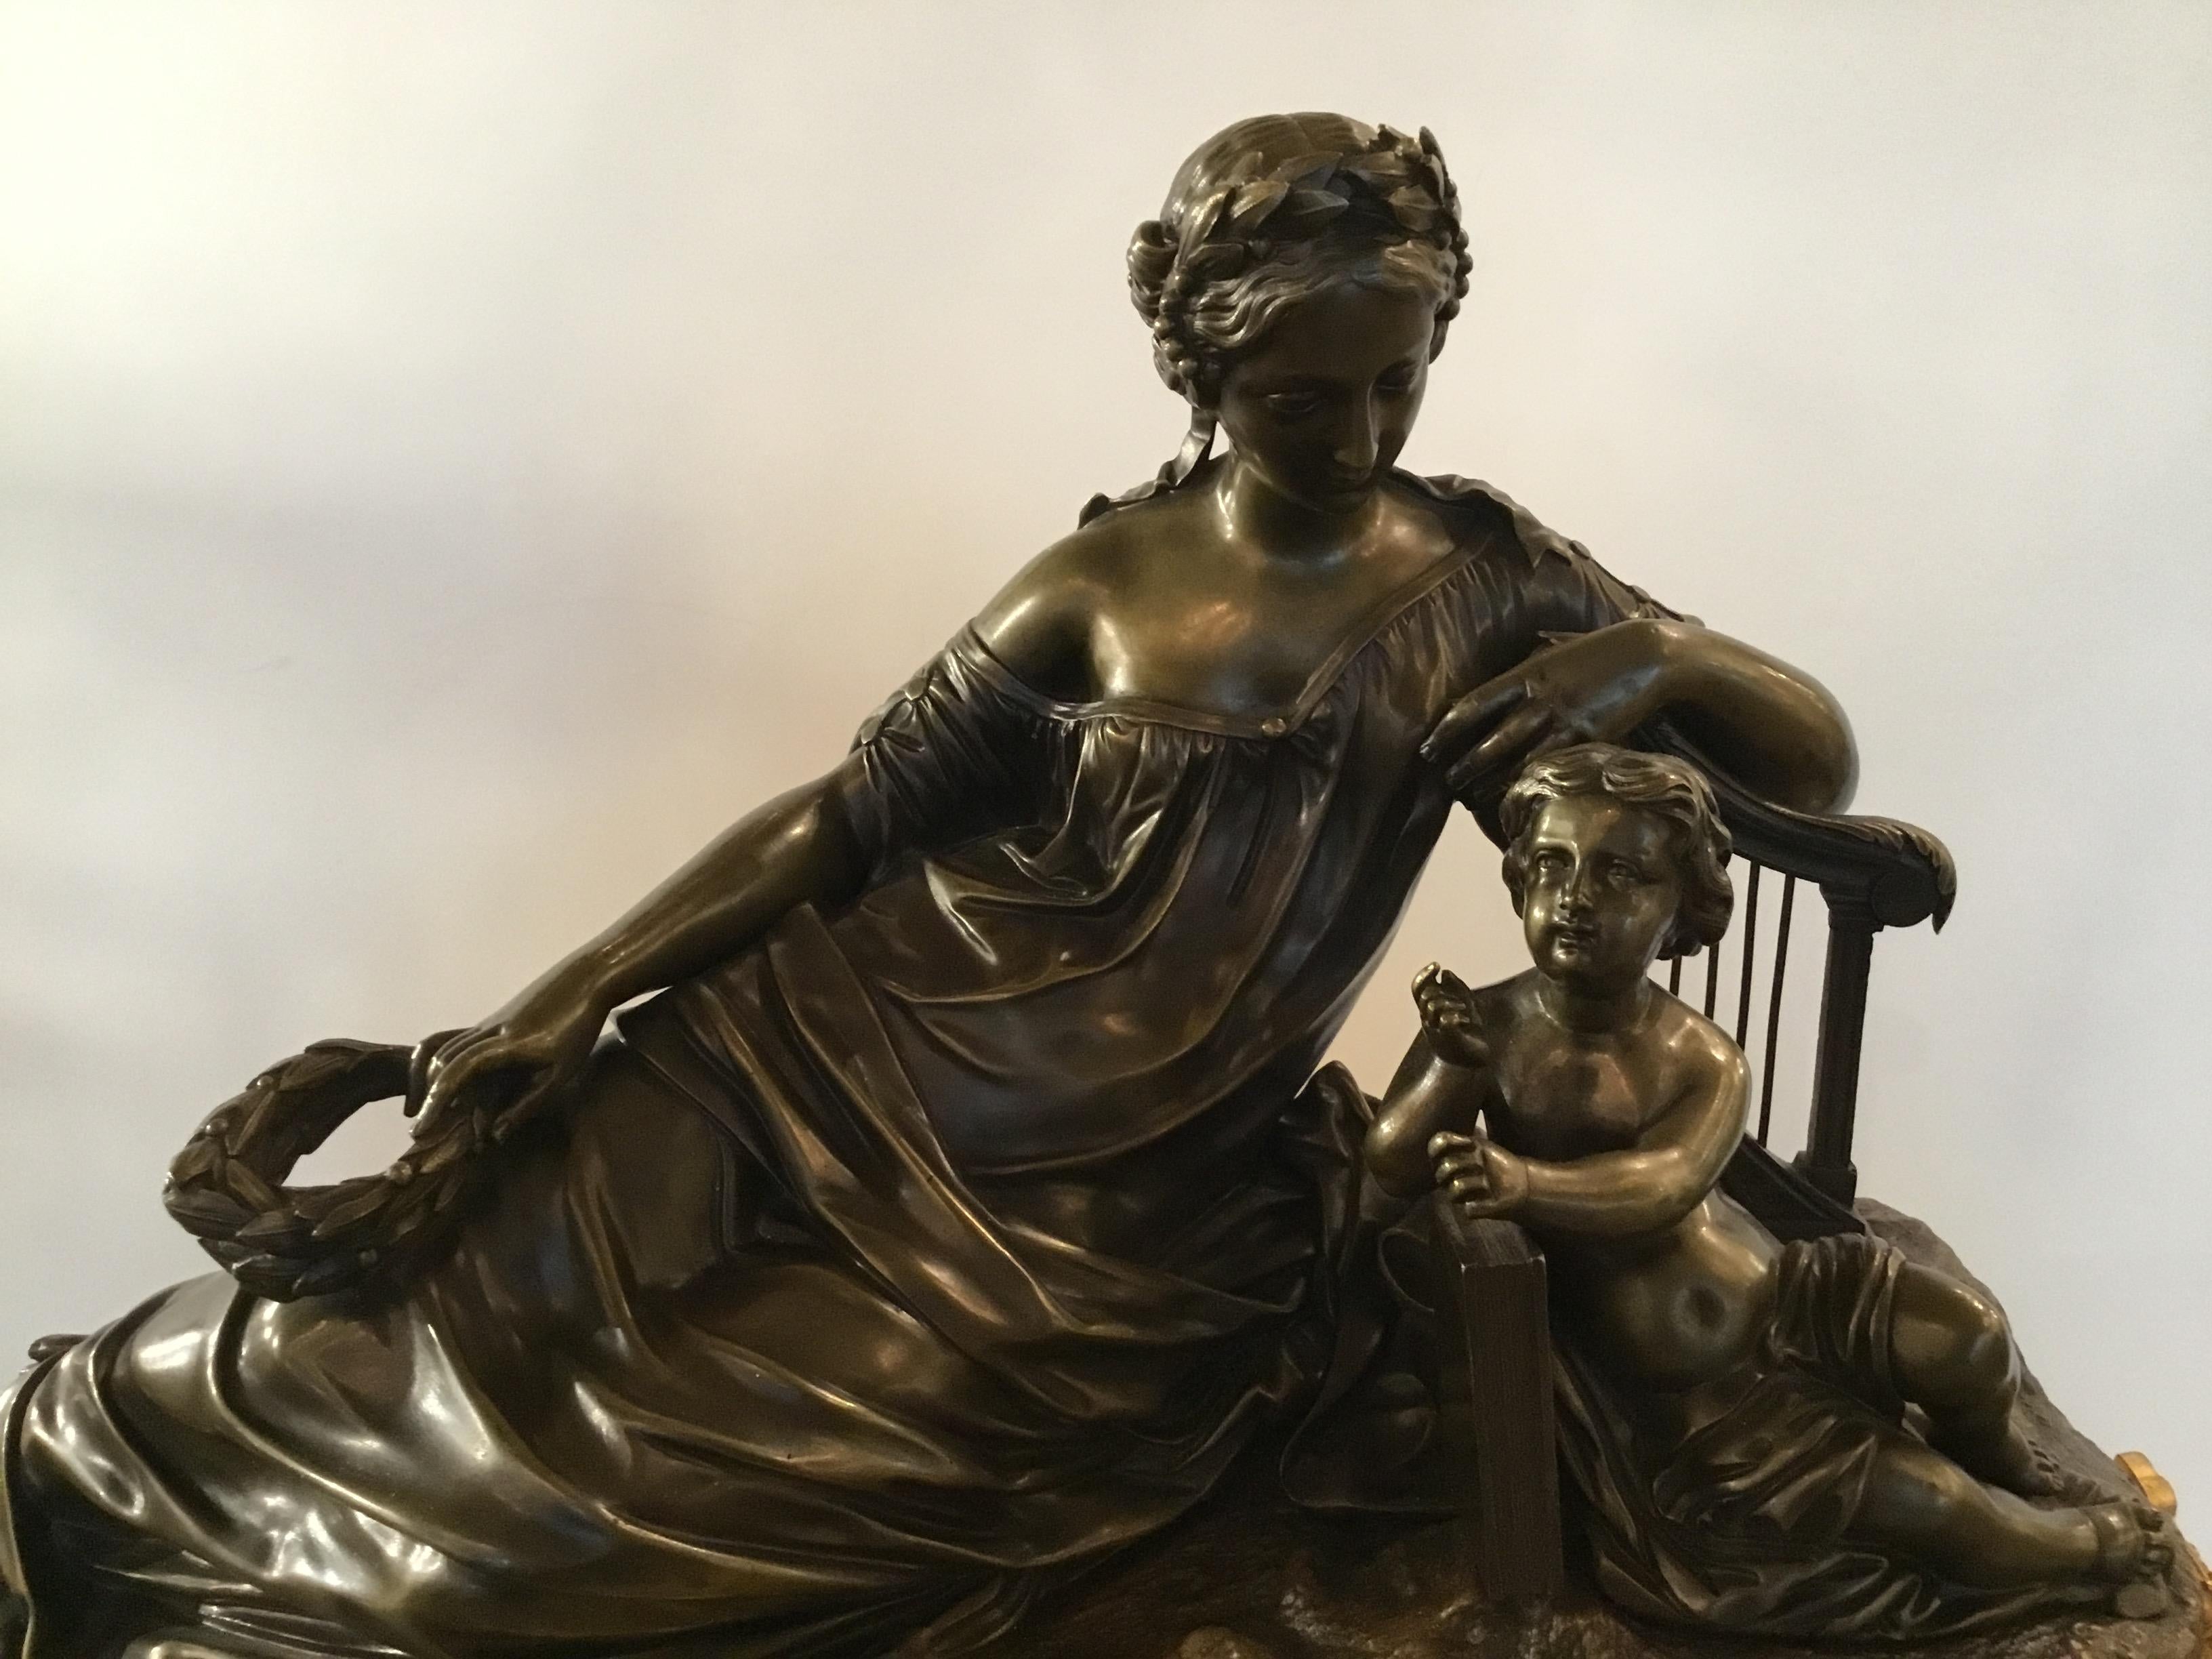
1776 730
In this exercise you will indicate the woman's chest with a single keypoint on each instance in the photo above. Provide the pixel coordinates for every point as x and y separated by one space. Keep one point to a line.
1246 646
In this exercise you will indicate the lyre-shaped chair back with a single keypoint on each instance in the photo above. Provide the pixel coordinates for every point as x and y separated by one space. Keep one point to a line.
1870 873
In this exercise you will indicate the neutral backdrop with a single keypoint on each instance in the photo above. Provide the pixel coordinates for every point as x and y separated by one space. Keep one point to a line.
453 459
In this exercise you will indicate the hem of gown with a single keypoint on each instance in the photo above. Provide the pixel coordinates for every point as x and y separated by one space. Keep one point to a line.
15 1579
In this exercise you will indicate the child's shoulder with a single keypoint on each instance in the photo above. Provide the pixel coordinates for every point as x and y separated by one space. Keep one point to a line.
1692 1038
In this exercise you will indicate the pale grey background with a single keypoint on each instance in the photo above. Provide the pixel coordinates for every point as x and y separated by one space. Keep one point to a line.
453 460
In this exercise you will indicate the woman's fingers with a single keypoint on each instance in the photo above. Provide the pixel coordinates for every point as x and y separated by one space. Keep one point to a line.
1472 715
450 1075
419 1062
1516 738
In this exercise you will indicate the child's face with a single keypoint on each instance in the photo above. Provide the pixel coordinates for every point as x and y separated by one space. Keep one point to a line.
1601 883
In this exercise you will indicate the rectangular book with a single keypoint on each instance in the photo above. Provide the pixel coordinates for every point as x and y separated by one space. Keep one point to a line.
1495 1399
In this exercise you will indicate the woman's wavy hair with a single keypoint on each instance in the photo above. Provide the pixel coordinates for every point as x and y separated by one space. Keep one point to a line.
1654 783
1271 210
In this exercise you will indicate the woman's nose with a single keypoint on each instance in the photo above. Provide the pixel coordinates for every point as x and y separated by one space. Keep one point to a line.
1356 447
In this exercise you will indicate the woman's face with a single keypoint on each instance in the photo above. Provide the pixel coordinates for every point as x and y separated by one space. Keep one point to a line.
1321 406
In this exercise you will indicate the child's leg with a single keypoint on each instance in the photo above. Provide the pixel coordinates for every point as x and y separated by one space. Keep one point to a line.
1921 1506
1954 1357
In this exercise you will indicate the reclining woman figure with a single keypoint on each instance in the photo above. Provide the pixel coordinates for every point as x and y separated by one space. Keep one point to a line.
955 1208
1732 1408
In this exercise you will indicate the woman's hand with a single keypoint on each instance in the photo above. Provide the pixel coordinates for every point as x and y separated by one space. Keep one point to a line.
1449 1018
1481 1178
1580 688
502 1071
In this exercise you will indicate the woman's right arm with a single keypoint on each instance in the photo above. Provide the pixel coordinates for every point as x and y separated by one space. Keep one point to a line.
799 848
818 844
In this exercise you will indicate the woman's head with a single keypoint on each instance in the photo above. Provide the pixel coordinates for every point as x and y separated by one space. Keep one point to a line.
1277 208
1285 214
1611 854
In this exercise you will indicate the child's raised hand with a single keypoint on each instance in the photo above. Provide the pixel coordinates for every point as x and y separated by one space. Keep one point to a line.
1449 1017
1481 1178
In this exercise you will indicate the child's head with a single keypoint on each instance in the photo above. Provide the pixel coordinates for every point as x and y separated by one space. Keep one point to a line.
1615 857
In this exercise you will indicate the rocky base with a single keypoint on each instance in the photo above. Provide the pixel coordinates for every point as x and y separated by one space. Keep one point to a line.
1251 1577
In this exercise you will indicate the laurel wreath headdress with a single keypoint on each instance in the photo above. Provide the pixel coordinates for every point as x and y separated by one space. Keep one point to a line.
1185 267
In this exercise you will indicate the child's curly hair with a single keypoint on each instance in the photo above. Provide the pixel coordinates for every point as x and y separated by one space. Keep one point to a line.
1656 783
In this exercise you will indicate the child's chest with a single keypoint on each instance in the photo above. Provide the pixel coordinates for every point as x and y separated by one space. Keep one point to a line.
1559 1101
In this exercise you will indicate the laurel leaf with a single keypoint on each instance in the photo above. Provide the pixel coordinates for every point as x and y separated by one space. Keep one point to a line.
351 1213
336 1274
198 1157
1380 174
1203 218
1253 203
1308 170
205 1214
248 1188
1416 210
279 1229
261 1266
1315 204
315 1067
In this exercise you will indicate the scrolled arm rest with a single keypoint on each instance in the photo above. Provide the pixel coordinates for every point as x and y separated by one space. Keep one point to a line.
1898 872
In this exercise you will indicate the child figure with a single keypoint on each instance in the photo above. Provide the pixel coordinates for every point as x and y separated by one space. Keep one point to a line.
1731 1407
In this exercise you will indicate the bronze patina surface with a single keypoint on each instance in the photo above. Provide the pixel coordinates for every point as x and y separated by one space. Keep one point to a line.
1733 1409
1251 1576
955 1208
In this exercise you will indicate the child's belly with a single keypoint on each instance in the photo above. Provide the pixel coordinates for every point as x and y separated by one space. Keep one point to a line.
1677 1309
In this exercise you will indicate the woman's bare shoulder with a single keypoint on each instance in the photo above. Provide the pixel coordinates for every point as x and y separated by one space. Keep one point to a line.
1040 624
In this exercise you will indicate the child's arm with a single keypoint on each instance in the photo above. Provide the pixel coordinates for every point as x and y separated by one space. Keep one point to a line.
1438 1088
1673 1164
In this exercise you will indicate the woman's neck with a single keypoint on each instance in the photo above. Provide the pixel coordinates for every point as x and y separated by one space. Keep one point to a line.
1255 513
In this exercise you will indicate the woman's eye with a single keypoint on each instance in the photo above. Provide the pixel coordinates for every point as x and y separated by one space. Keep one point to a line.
1293 404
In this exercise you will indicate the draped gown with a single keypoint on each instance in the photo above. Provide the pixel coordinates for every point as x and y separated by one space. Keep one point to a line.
900 1265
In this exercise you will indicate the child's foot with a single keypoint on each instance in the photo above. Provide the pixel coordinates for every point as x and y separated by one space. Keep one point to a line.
2133 1553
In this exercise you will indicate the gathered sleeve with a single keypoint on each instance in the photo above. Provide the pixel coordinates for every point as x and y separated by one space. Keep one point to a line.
1569 591
961 749
1538 585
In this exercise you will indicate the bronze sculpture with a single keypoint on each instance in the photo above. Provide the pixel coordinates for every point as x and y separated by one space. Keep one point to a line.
1734 1406
959 1209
